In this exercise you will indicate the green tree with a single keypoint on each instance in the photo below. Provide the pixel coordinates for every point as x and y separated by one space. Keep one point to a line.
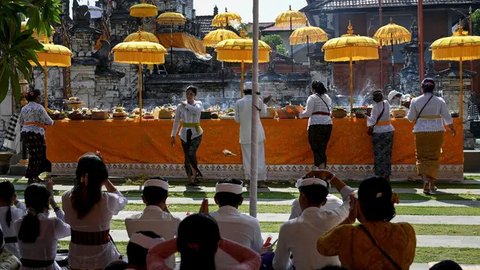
17 46
476 22
276 43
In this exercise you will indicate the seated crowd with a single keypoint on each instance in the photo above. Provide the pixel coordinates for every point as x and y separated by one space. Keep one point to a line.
321 232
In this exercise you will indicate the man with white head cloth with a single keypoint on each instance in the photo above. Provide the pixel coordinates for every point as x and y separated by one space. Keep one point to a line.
234 225
243 115
297 237
155 217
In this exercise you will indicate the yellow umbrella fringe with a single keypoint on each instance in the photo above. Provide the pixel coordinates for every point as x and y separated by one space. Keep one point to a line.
143 10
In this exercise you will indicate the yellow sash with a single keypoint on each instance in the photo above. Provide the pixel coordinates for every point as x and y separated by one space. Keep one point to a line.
383 123
193 125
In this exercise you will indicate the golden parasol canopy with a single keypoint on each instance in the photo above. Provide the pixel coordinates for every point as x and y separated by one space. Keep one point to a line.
141 36
392 34
139 52
171 18
215 36
226 18
241 51
290 18
52 55
308 34
143 10
458 47
350 47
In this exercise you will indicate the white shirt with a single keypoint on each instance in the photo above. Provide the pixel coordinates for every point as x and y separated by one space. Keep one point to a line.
187 114
93 257
299 236
376 111
45 247
34 112
9 231
154 219
315 104
435 107
333 202
243 115
237 227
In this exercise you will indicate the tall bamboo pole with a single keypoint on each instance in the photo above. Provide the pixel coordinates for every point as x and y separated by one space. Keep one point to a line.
45 85
351 87
421 64
461 88
140 87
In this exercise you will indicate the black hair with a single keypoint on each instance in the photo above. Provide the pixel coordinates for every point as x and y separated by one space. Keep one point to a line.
192 88
333 267
33 94
7 191
247 92
375 198
117 265
2 242
36 200
315 194
155 195
318 87
84 197
137 255
377 96
446 265
198 249
428 85
228 198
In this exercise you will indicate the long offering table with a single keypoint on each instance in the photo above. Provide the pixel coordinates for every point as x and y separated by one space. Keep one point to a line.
134 148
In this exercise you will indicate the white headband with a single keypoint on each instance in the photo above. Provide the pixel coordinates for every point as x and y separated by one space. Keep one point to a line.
145 241
156 183
229 187
302 182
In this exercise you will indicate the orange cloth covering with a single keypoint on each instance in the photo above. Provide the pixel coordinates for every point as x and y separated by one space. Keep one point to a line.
286 142
182 40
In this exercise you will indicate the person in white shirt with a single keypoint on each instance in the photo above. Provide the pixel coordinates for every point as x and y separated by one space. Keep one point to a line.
9 214
155 217
8 261
318 109
188 112
33 119
234 225
89 210
395 98
243 116
429 115
38 234
382 136
297 238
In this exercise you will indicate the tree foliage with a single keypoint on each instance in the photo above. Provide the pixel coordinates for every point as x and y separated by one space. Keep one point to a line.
17 46
276 43
476 22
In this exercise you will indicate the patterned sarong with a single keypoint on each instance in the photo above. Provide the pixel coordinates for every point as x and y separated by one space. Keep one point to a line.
428 147
37 154
382 151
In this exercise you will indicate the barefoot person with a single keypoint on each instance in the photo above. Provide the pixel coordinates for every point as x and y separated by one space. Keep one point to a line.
188 112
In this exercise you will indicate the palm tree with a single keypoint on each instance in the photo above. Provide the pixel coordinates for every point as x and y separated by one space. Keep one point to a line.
17 46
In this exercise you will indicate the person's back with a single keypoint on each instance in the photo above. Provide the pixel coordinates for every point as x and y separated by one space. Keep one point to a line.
9 214
7 260
155 217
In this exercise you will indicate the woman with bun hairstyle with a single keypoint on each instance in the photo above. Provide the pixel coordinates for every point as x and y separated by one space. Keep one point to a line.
318 111
33 119
38 234
89 211
429 115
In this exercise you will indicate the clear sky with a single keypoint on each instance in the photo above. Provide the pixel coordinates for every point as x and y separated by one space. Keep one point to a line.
269 9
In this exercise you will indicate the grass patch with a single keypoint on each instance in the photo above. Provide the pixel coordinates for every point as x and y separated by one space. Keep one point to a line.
439 229
436 254
437 211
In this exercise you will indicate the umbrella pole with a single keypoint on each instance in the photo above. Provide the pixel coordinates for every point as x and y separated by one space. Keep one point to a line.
45 85
171 49
308 51
255 118
461 88
351 87
393 64
291 46
140 86
242 79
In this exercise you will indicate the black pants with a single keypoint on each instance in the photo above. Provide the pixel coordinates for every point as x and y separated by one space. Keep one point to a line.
190 148
318 137
37 154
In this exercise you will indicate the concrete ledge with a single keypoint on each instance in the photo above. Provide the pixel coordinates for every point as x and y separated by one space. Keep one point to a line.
471 163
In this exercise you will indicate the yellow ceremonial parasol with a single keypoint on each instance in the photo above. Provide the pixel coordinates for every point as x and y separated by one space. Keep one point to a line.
308 34
171 19
143 10
241 51
213 37
350 47
139 51
291 18
226 18
459 47
392 34
52 55
141 35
